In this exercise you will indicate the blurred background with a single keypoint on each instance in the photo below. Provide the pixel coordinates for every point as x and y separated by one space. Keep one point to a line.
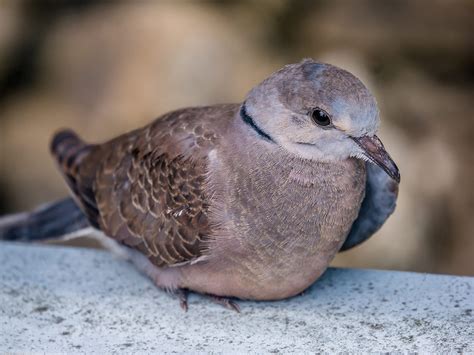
103 68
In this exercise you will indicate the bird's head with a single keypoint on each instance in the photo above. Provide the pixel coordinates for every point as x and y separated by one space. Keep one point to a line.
319 112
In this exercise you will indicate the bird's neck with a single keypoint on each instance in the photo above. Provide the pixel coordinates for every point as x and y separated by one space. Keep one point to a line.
270 178
250 122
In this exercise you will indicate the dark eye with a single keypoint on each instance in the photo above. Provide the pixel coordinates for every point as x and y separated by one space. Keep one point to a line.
320 117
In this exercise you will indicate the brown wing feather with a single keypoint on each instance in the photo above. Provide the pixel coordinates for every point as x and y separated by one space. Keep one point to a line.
149 186
69 151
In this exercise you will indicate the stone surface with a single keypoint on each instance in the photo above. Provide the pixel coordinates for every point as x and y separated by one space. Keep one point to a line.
57 299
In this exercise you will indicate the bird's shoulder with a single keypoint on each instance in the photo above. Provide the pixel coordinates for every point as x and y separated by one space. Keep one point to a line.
190 131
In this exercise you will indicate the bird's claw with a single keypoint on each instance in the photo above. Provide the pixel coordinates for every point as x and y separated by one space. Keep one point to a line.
225 302
182 295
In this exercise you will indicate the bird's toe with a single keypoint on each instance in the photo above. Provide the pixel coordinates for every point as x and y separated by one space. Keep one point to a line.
225 302
182 295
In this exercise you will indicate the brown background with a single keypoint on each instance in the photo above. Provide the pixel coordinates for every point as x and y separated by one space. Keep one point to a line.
105 68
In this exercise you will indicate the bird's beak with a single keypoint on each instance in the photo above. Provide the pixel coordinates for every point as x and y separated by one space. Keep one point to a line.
375 151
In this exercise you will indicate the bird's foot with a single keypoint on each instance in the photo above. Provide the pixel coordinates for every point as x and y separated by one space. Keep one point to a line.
225 302
182 295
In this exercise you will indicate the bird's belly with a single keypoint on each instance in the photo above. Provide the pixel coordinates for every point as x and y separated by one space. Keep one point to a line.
276 281
271 273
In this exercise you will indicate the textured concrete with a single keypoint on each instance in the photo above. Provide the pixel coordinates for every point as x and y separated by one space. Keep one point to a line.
56 299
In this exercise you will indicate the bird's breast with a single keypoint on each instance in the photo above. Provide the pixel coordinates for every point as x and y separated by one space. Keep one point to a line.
281 223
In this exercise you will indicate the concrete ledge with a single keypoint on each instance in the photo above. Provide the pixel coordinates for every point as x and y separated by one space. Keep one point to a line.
57 299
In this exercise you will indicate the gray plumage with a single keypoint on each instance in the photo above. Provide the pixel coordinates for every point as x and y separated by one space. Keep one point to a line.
379 203
248 200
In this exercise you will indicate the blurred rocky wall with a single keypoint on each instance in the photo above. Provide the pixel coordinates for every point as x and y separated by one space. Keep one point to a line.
105 68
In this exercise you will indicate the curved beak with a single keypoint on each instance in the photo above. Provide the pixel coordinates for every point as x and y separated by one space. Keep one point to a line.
376 153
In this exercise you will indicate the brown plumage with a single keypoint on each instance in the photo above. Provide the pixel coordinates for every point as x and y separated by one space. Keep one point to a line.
248 200
146 188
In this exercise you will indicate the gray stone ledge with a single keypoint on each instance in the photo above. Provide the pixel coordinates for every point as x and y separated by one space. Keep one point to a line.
58 299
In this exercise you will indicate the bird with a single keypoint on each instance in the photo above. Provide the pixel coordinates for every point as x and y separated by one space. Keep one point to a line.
245 201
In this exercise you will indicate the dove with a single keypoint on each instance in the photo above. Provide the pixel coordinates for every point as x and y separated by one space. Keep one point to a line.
244 201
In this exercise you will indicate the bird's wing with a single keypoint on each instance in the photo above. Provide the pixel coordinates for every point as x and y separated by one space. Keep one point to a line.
70 151
149 186
379 202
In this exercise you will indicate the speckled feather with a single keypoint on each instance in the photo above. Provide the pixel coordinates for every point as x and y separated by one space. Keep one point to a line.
146 188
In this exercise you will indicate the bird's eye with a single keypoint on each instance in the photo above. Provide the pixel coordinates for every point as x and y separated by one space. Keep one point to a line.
320 117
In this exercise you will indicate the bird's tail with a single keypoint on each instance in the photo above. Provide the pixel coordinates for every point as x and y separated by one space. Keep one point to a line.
51 221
